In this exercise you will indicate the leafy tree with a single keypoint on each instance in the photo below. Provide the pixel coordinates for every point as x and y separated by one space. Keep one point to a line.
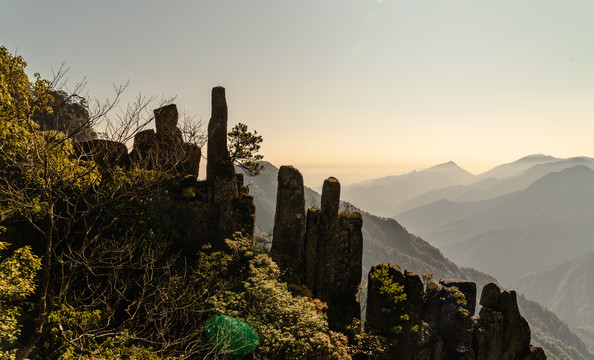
243 149
64 200
17 281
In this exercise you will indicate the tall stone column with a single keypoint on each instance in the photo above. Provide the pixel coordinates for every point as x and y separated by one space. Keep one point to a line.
289 221
328 240
220 173
347 269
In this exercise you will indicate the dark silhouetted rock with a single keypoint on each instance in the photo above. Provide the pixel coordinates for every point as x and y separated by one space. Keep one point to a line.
312 235
166 119
145 149
415 291
190 164
106 153
218 165
501 332
165 150
444 328
488 334
328 239
289 220
220 173
330 197
346 271
490 296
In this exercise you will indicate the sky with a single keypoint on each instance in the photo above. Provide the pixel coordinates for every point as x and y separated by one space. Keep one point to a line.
355 89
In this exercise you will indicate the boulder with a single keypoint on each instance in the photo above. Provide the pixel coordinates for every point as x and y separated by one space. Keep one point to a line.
166 118
106 154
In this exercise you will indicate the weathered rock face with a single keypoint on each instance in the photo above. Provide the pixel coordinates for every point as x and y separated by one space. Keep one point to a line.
445 328
327 256
346 271
328 239
330 198
245 210
289 221
166 119
220 173
312 236
107 154
222 204
219 165
145 151
165 149
499 327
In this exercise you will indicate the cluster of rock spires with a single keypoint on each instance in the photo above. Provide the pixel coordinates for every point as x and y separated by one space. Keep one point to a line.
443 317
223 204
322 250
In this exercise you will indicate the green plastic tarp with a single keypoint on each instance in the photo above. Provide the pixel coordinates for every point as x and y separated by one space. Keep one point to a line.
231 335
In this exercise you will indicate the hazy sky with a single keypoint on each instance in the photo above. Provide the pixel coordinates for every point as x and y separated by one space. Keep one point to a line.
342 87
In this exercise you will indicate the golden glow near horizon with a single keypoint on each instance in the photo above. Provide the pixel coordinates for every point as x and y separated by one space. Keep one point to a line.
384 84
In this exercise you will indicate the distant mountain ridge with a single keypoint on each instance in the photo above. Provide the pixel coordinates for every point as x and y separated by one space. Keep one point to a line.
491 188
564 288
381 196
391 195
517 167
550 221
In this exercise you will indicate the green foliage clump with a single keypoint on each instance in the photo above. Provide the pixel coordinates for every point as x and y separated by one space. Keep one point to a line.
66 113
17 282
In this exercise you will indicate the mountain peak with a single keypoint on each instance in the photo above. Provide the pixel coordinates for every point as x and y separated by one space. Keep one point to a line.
448 166
537 157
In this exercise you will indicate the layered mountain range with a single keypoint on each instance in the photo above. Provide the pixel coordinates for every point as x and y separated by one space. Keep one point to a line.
385 240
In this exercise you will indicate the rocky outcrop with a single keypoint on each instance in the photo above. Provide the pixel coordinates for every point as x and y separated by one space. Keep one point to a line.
220 172
322 250
222 203
436 322
327 240
500 331
107 154
289 222
165 150
346 270
312 236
